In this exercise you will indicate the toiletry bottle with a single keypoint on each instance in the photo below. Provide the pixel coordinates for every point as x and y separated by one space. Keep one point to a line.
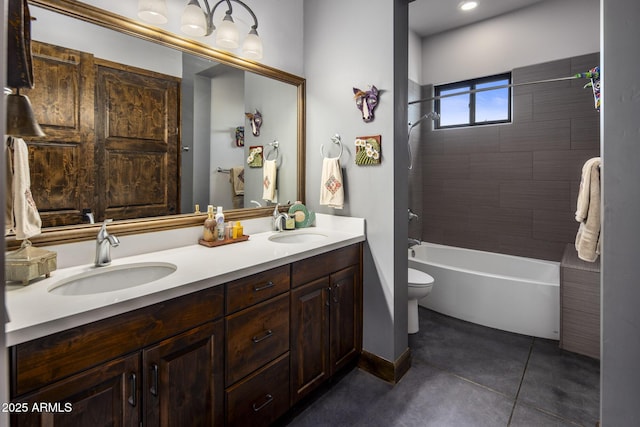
209 231
237 230
228 230
220 223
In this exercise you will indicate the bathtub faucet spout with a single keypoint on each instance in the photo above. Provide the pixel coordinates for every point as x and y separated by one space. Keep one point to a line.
414 242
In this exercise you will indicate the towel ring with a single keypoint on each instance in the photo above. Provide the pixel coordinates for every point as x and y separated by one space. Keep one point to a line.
275 144
336 139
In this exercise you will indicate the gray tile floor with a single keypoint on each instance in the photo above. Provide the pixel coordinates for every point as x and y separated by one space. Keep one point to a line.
463 375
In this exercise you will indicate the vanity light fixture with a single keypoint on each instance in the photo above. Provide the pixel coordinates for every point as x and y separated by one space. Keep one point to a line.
197 22
468 5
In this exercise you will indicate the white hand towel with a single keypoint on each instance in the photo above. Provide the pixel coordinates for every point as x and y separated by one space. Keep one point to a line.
332 187
269 181
588 212
22 213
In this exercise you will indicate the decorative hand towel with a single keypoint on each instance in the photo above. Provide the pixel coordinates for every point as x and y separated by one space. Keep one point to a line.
269 181
236 177
588 212
22 214
332 187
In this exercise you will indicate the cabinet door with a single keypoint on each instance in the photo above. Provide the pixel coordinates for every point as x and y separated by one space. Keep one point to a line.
309 337
346 314
107 395
183 379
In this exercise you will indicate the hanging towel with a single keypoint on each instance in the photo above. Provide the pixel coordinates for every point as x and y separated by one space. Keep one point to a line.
21 212
269 170
588 211
236 177
332 187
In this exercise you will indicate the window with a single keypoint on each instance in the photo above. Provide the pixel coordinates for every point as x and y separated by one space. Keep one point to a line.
477 104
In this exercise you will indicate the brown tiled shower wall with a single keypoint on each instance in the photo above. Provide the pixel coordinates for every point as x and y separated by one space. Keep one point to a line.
508 188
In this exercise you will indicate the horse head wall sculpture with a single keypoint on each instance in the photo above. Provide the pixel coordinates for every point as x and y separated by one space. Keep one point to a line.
255 119
366 102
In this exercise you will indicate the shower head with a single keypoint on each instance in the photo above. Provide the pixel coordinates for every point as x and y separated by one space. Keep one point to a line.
431 115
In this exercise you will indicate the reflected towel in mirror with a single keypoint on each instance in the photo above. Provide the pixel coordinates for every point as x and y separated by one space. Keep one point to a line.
22 215
269 181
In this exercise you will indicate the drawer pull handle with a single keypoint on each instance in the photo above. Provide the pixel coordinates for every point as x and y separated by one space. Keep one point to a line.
266 335
257 288
154 380
133 398
268 400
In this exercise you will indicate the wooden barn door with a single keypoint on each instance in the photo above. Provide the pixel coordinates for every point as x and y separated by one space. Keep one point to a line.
62 163
137 138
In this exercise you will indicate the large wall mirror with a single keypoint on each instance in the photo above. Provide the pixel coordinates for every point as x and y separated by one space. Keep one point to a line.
175 142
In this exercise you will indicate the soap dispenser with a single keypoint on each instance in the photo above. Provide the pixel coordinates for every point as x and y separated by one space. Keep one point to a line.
209 231
219 223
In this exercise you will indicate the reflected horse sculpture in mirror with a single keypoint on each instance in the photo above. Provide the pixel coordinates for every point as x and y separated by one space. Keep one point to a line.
255 119
366 102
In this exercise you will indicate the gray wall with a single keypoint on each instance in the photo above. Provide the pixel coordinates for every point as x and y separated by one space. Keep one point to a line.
510 188
360 43
620 373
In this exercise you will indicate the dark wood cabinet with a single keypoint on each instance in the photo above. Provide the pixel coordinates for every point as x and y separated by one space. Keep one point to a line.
105 395
326 324
182 379
283 333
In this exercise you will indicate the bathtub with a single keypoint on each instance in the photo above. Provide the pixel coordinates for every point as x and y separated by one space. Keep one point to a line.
510 293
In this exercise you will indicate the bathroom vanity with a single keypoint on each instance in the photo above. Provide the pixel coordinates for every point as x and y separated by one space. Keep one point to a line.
237 348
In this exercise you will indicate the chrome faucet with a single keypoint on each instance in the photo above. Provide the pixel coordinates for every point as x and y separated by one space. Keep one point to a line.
412 215
104 241
414 242
279 219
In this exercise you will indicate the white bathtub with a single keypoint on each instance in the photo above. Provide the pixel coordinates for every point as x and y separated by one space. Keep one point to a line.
510 293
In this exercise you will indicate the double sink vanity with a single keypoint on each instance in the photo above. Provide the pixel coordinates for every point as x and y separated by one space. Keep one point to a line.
230 335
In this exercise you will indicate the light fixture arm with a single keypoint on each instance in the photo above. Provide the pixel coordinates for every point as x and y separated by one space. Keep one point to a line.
210 12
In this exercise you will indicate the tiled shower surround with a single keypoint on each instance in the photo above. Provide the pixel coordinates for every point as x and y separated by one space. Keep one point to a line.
508 188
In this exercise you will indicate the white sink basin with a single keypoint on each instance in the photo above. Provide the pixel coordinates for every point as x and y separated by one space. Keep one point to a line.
114 278
297 237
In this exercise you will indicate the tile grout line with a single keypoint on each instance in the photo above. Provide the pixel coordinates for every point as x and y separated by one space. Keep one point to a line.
524 372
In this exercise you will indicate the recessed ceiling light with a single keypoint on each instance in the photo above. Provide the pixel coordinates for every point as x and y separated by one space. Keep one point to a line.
468 5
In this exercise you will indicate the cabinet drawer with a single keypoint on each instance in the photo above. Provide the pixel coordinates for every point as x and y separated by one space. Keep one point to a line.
315 267
251 290
256 336
262 398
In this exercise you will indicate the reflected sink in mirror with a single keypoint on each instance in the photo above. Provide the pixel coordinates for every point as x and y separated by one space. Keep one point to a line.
114 278
297 237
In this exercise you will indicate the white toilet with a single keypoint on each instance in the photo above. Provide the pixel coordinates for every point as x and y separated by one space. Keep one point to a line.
420 284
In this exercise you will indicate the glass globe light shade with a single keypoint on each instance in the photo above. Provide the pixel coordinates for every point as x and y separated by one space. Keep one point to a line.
252 46
227 33
153 11
194 22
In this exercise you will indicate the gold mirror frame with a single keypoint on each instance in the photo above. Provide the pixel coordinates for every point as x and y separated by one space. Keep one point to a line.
104 18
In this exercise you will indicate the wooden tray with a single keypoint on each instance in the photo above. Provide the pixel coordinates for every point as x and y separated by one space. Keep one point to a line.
215 243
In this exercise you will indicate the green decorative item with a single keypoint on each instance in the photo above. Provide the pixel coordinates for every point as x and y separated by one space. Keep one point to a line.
368 150
254 160
302 216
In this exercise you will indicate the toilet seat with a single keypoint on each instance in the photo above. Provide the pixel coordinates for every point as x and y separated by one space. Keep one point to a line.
419 278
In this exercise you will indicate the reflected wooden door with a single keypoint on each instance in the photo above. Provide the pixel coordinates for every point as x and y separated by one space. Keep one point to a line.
61 163
136 142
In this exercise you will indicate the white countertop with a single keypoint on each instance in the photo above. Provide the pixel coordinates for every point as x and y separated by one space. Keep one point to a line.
34 312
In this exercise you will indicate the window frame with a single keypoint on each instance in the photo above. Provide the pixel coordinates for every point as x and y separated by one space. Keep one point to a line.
472 84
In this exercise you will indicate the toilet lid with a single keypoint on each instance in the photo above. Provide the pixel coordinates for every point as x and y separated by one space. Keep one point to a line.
418 278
